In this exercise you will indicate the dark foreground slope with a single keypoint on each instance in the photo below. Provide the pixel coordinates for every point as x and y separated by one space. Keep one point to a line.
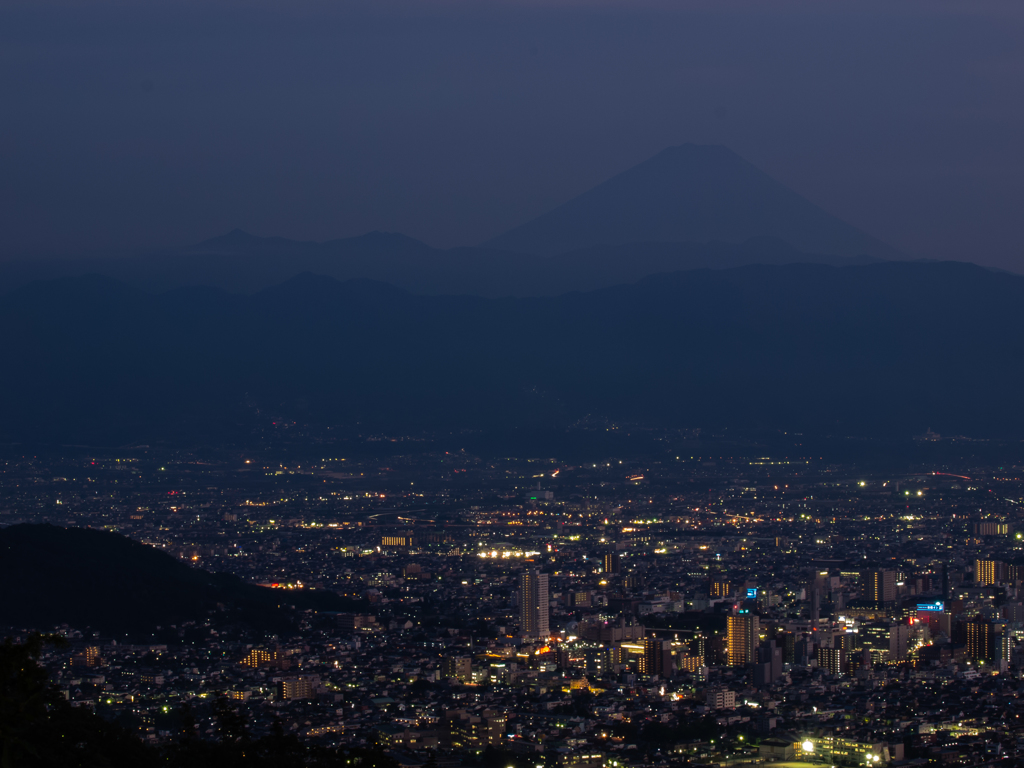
880 349
87 578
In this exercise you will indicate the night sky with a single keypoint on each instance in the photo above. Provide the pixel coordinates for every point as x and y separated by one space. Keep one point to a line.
139 124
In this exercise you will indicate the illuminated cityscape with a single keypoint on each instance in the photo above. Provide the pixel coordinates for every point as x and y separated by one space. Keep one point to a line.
682 609
561 384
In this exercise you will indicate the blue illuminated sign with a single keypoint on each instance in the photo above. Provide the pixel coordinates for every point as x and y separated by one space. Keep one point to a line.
937 606
752 593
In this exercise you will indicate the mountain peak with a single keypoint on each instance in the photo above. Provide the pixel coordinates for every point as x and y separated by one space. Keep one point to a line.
689 193
690 148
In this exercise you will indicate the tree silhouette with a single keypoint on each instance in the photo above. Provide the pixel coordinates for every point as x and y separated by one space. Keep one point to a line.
40 729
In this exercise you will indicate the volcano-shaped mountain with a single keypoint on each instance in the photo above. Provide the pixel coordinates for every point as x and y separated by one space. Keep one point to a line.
690 193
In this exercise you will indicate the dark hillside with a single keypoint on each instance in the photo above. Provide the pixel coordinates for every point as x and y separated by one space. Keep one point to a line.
885 349
87 578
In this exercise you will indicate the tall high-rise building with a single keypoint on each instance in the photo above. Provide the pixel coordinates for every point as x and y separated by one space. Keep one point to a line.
899 641
742 632
980 638
878 587
889 640
988 572
991 528
832 660
612 563
768 667
844 640
720 587
533 603
1002 645
657 658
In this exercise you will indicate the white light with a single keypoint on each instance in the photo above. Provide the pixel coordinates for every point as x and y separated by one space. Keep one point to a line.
808 746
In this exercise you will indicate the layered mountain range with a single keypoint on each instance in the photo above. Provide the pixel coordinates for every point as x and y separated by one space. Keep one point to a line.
691 291
689 207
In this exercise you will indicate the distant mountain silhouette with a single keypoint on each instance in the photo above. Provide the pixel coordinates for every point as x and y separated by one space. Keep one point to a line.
87 578
690 193
688 207
241 262
888 348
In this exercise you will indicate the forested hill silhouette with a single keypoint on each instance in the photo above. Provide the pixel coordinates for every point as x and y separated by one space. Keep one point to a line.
690 193
884 349
98 579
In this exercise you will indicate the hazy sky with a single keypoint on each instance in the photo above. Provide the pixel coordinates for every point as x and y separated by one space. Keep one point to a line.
146 123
